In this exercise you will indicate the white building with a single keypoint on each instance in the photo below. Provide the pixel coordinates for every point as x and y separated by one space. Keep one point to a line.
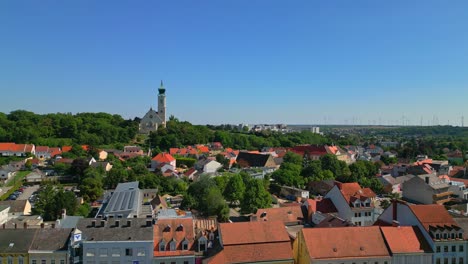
113 241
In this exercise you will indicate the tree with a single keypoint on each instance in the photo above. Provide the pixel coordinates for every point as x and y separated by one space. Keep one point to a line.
91 189
52 200
330 162
235 188
291 157
255 197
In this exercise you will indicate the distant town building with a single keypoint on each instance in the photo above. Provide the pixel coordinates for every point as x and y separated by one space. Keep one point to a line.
152 120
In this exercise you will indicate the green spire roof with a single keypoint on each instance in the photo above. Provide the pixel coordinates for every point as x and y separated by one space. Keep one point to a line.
161 89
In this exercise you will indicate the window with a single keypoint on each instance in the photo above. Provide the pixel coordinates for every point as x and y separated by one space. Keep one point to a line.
355 215
62 261
20 260
445 235
460 248
446 250
454 248
185 262
438 249
129 252
446 261
33 261
43 261
115 252
141 252
103 262
173 262
437 236
460 260
452 235
185 245
162 246
454 260
438 261
52 261
172 246
90 252
103 252
10 260
385 262
460 235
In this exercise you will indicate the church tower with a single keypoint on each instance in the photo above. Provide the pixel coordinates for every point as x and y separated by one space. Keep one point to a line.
162 104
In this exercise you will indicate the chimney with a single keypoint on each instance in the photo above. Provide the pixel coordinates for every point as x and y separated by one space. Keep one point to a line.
25 225
427 179
42 225
149 222
64 213
117 223
103 223
53 225
395 210
129 223
395 223
93 223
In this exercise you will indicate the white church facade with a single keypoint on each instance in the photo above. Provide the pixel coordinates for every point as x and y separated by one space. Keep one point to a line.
153 120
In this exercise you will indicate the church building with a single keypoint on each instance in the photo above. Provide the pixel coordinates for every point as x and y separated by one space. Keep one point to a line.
152 120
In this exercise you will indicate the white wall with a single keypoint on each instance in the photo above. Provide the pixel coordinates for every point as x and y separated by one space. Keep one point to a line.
120 247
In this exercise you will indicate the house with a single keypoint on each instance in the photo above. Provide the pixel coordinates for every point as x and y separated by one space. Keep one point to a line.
209 166
36 176
17 208
102 164
288 215
249 160
163 157
113 240
190 173
18 150
296 192
426 189
42 152
354 203
407 244
102 154
174 241
6 173
336 245
314 151
50 245
253 242
329 220
14 245
318 209
340 153
124 202
134 150
445 237
394 184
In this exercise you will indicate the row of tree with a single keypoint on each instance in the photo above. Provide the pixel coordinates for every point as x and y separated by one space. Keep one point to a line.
65 129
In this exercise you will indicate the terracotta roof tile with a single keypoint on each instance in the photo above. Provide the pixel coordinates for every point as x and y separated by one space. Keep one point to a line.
287 215
178 230
432 215
253 232
254 253
164 158
345 242
404 239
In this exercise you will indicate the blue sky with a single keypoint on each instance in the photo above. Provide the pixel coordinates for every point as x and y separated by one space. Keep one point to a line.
294 62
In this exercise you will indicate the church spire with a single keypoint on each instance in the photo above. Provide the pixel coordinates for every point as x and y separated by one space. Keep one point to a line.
162 85
161 89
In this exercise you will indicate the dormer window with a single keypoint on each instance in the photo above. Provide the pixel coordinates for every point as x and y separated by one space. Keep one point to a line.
460 235
185 245
452 235
180 228
172 245
437 236
445 236
162 246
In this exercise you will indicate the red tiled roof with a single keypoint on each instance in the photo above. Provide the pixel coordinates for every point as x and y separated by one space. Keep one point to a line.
203 149
404 239
353 190
292 214
42 148
253 232
164 157
178 229
432 215
66 148
85 147
173 151
54 152
345 242
189 172
312 149
325 206
253 253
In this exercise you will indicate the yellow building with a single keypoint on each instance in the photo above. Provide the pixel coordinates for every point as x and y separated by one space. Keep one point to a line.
14 245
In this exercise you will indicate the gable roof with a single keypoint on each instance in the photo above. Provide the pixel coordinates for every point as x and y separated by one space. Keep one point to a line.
173 229
345 242
324 205
253 232
432 215
163 157
246 159
16 206
16 240
51 239
315 150
353 190
405 239
254 253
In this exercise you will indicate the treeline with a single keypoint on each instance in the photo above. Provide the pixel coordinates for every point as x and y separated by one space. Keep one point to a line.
179 134
65 129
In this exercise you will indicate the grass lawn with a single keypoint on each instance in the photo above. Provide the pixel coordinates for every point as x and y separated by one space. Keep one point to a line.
18 178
